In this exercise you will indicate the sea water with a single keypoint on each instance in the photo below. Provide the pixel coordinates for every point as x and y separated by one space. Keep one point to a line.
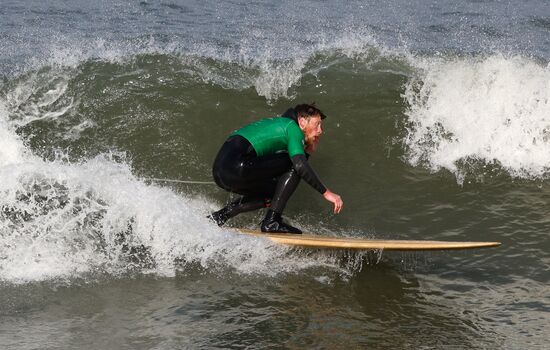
438 128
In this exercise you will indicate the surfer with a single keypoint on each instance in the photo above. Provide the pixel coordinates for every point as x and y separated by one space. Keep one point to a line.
264 162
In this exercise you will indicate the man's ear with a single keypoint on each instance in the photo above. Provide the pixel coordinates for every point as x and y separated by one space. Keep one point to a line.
302 122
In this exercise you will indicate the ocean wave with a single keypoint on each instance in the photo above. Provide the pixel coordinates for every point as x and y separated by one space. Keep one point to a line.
65 221
273 71
493 109
61 220
490 109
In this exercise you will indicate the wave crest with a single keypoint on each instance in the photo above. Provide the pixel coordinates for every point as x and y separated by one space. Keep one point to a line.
495 110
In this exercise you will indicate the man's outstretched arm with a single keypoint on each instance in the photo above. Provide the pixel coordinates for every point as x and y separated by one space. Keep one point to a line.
307 173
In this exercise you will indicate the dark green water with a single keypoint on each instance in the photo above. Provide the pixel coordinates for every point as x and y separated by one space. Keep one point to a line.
437 128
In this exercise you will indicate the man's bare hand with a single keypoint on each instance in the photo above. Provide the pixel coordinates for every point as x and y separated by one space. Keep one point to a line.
335 199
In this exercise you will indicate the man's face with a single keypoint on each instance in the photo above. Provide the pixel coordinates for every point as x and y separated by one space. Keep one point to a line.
312 128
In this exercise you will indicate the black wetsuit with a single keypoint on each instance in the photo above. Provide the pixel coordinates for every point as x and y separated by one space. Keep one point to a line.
268 179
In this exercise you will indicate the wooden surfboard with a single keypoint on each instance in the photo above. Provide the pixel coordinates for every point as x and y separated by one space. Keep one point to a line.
316 241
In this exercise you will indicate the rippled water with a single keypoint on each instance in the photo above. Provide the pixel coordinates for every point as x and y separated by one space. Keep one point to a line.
438 129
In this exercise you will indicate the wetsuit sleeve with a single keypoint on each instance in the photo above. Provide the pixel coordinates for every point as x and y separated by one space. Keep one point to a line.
306 172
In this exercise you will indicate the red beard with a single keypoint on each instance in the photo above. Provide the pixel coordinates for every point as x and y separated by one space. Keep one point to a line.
311 145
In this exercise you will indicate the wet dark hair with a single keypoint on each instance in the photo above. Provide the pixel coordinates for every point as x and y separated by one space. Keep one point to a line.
308 110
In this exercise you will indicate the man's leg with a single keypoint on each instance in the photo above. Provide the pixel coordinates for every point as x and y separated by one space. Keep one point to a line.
286 186
239 206
256 178
256 196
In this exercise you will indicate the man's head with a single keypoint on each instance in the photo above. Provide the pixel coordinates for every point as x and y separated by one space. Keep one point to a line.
309 119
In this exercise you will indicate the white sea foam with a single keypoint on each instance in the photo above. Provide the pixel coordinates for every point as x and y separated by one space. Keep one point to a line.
12 150
38 96
62 220
495 110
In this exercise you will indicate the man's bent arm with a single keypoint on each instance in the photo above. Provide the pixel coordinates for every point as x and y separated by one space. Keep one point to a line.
306 172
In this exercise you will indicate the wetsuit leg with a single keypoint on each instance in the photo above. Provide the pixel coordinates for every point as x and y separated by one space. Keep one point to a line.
286 186
239 206
273 221
237 169
266 167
